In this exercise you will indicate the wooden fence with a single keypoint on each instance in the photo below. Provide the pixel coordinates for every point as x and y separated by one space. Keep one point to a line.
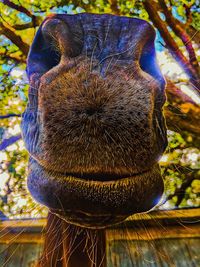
160 238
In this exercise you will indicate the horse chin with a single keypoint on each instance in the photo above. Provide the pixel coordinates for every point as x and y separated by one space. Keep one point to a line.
90 221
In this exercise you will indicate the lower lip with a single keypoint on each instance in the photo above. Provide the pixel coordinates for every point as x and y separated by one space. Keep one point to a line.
121 197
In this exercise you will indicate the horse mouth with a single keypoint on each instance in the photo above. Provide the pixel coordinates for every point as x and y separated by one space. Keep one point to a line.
91 202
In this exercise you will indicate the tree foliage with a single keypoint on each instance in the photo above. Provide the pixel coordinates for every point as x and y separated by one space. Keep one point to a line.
177 24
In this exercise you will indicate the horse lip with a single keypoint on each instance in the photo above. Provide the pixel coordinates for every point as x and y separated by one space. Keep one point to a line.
102 177
121 197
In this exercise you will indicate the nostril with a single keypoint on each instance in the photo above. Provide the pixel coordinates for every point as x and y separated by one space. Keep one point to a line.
91 111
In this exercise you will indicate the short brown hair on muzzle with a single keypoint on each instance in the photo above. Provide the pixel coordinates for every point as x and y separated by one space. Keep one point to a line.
94 126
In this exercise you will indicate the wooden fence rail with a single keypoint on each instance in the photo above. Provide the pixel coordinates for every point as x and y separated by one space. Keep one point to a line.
156 239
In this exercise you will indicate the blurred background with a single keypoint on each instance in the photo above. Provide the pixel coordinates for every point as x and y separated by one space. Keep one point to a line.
177 25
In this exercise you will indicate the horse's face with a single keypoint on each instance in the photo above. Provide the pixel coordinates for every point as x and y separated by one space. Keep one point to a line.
94 126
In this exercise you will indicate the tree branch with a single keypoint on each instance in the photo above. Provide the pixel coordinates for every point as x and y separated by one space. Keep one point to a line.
25 26
9 116
191 31
180 192
194 34
182 113
114 7
35 20
181 33
171 44
18 8
13 37
9 141
16 59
